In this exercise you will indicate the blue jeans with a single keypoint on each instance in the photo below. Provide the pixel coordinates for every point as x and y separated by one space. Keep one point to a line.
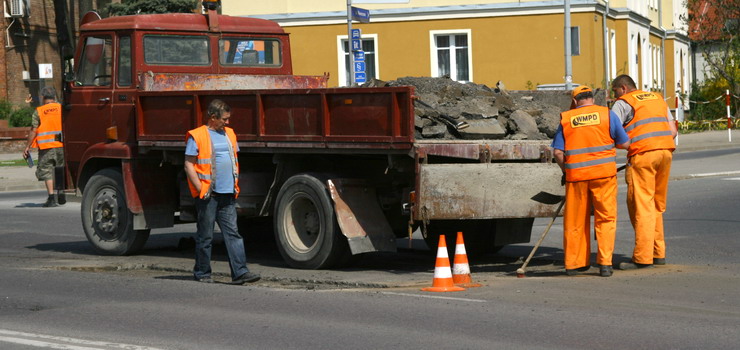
219 208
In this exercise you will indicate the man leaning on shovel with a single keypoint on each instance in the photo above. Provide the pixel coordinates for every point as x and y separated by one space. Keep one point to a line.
585 150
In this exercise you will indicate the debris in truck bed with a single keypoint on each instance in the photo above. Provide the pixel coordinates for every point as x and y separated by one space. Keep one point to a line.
447 109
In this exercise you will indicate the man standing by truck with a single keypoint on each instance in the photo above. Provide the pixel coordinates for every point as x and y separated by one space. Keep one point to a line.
649 124
46 132
212 169
584 149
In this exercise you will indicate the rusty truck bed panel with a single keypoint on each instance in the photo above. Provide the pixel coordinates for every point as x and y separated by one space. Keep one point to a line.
486 150
189 82
347 116
486 190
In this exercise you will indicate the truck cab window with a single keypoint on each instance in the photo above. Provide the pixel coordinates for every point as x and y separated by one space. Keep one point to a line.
177 50
95 66
124 61
249 52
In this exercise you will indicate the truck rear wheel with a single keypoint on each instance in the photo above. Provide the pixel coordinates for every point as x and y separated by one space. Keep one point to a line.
306 229
107 222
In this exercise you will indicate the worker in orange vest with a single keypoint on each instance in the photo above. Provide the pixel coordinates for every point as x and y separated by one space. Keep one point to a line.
46 134
212 169
584 147
650 126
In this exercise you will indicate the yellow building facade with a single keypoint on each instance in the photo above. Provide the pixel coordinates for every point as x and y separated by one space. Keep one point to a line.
520 43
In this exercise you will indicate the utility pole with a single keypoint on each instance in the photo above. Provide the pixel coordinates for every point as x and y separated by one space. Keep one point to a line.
349 43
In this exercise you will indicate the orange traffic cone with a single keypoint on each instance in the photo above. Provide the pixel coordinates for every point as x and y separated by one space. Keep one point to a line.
461 268
442 274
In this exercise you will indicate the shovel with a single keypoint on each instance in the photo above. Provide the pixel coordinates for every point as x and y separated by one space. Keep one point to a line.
546 198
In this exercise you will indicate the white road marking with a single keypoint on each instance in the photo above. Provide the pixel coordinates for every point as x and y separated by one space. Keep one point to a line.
732 178
722 173
434 297
63 343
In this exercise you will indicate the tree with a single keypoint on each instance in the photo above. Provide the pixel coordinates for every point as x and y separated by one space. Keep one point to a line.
135 7
714 26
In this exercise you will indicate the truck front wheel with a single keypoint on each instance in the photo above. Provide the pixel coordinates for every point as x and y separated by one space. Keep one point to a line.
107 222
306 229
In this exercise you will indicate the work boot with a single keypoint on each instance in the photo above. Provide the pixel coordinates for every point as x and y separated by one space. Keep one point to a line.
605 270
633 265
573 272
206 279
50 202
61 198
246 278
658 261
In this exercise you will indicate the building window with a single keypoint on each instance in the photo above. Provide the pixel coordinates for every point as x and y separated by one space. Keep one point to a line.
575 41
451 54
369 47
613 53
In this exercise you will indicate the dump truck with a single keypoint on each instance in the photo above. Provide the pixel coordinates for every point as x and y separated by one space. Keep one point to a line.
339 170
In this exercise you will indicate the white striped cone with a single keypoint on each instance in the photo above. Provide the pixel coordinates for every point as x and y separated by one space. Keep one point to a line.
461 268
442 273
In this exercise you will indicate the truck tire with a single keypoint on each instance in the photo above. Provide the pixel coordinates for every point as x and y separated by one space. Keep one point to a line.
306 229
107 222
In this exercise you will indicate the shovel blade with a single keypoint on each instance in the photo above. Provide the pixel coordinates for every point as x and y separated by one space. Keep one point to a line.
547 198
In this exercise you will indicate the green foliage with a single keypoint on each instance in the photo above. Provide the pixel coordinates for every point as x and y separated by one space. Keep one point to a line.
6 109
134 7
21 117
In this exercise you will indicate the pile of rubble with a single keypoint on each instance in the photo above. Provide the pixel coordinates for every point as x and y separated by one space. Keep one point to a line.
446 109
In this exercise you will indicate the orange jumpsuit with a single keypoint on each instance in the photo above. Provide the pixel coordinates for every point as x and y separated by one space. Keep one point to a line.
590 173
649 167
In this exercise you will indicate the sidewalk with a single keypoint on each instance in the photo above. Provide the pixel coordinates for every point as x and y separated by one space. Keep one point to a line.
23 178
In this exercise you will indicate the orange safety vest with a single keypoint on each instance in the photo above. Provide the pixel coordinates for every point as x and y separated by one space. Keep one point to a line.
589 148
49 132
648 130
206 157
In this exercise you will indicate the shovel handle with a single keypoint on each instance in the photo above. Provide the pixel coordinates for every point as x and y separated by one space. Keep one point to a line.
537 245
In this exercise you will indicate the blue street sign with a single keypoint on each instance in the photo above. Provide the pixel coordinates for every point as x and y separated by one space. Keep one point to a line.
356 34
359 56
360 15
359 67
360 77
356 45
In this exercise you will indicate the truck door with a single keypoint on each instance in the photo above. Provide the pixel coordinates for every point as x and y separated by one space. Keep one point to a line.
90 100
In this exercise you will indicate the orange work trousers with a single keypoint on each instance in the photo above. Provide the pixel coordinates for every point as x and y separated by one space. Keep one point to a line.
647 188
580 197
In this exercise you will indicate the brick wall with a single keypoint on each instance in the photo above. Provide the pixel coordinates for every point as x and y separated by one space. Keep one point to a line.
33 41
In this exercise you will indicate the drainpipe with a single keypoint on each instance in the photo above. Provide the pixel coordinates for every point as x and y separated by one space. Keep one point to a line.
662 45
606 46
568 61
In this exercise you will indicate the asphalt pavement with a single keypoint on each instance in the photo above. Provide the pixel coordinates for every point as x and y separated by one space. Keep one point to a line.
22 178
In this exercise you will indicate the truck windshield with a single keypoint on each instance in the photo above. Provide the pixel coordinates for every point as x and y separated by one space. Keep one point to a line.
176 50
249 52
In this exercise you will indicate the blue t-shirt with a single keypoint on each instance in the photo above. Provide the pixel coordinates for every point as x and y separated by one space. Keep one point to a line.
224 181
615 130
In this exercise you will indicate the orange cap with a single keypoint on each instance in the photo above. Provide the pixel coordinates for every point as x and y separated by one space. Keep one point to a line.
580 89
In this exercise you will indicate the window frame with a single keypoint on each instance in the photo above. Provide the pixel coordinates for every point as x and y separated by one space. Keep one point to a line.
433 52
341 73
